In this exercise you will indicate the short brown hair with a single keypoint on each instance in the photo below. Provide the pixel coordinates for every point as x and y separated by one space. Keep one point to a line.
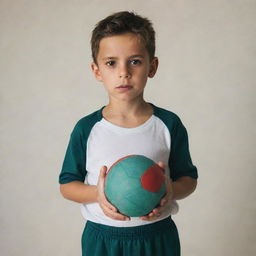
120 23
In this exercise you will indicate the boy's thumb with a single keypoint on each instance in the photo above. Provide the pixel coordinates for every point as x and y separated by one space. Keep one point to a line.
103 171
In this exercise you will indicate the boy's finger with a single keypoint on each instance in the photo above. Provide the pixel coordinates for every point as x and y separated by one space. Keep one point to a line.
110 206
103 171
163 201
115 215
161 164
102 177
119 216
149 218
152 215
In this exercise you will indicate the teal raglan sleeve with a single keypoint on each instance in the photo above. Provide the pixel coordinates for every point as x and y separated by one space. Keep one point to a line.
73 168
180 162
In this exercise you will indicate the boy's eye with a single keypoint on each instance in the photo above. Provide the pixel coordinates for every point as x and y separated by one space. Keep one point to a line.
135 62
110 63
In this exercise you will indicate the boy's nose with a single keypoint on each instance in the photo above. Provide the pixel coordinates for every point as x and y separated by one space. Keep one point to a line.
125 76
124 72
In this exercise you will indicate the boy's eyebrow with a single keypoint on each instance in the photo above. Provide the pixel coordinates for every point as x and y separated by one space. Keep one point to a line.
132 56
137 56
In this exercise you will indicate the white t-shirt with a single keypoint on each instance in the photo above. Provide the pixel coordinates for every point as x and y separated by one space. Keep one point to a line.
96 142
108 142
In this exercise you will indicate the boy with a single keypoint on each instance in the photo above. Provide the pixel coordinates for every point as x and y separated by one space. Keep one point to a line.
123 48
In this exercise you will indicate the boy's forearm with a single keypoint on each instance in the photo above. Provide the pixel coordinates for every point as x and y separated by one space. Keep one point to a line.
79 192
183 187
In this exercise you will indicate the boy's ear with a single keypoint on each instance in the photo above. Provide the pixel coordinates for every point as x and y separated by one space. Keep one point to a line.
96 71
153 67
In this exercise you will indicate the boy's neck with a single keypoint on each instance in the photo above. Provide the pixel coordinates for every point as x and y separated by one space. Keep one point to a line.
128 109
128 114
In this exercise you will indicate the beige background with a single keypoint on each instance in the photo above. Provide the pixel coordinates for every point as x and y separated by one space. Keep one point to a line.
207 55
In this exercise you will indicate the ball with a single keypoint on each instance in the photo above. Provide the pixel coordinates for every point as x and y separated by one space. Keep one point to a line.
135 185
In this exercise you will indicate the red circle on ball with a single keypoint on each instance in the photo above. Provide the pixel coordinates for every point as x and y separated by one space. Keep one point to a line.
153 179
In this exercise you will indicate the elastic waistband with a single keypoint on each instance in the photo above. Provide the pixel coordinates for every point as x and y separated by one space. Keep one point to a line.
130 232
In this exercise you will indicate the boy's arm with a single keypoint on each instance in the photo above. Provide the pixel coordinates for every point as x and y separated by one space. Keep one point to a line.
79 192
82 193
183 187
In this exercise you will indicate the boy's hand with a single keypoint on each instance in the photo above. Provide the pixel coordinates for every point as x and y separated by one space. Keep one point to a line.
156 213
107 207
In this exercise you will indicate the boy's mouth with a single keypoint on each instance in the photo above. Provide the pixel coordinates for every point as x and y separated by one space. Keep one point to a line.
124 87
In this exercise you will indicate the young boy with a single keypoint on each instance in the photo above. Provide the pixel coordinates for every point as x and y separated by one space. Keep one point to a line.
123 48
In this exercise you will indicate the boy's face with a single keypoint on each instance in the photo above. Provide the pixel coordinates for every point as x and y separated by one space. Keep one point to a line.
123 66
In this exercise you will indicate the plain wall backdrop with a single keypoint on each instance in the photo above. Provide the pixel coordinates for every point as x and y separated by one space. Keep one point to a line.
207 56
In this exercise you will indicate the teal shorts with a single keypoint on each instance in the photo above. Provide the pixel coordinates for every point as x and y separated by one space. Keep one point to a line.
157 239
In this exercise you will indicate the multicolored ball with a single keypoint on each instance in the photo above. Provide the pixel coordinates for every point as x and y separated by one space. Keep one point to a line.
135 184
